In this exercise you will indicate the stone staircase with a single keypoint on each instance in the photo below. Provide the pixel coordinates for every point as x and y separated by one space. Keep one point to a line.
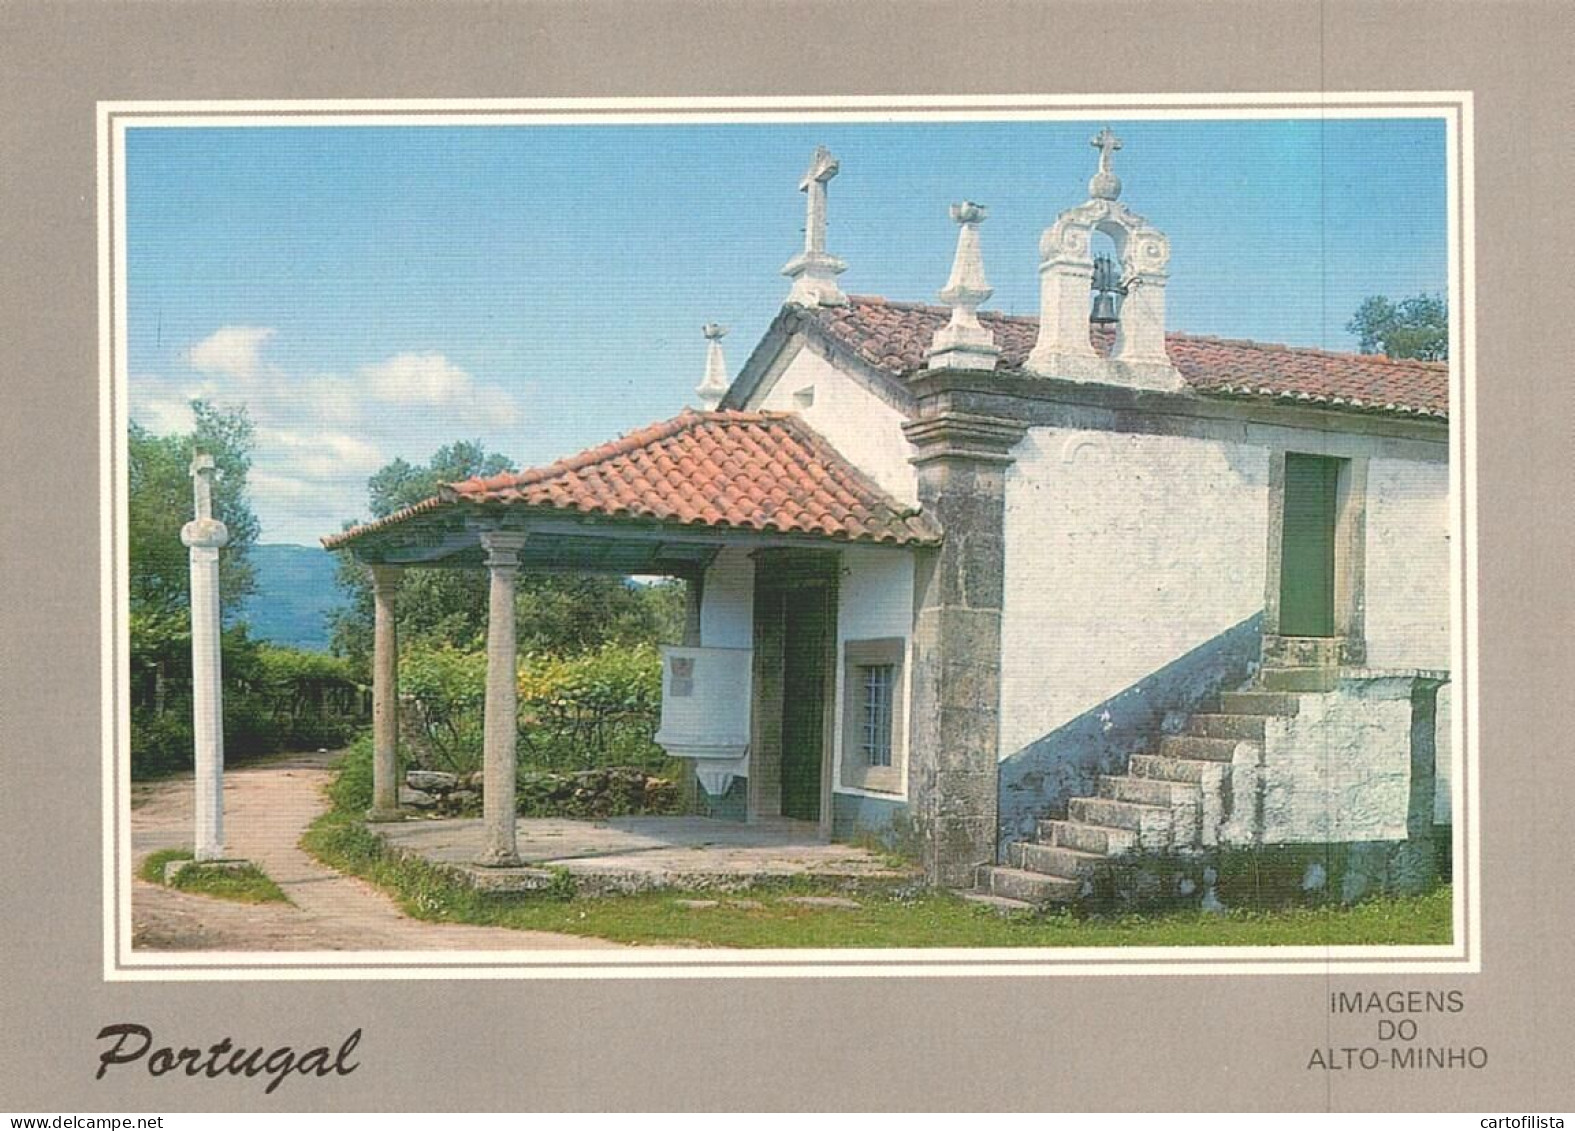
1174 800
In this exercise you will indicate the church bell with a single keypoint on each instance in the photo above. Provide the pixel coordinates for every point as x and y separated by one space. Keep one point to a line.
1106 285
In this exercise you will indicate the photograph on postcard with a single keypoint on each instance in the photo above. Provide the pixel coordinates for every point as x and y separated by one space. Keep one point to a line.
972 535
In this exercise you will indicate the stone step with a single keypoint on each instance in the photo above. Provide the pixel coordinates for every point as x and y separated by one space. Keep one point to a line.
1028 887
999 904
1299 679
1229 726
1258 703
1084 837
1301 651
1148 791
1198 748
1052 859
1119 814
1167 769
1308 680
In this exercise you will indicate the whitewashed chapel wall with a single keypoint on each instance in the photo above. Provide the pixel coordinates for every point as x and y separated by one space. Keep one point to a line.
1124 552
864 428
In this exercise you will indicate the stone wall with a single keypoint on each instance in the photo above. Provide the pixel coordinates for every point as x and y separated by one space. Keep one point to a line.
1353 765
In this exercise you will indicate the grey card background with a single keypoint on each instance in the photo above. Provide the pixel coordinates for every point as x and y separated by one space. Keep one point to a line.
991 1043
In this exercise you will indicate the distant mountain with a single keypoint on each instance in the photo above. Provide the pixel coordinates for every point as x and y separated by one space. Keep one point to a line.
295 593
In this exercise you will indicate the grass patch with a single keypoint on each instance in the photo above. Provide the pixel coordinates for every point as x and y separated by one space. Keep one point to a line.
889 915
244 884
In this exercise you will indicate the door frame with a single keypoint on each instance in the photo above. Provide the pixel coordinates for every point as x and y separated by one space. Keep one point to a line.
1347 646
779 572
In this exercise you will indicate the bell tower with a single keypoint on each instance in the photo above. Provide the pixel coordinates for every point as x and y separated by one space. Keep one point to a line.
1127 291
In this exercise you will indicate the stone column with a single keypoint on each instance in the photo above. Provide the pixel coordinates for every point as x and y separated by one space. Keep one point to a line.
385 695
502 703
204 536
954 744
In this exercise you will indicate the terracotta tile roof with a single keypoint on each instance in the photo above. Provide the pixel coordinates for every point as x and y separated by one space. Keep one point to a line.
758 471
892 337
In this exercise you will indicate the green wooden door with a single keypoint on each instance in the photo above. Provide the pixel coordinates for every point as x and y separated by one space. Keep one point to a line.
1307 545
806 652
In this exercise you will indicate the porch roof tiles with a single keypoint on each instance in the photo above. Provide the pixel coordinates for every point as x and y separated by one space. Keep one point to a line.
766 472
893 336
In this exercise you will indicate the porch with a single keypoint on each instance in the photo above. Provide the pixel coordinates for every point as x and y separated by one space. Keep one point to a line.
633 854
669 501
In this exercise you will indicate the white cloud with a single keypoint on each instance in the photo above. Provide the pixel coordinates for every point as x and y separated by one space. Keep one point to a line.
234 351
417 378
320 434
320 455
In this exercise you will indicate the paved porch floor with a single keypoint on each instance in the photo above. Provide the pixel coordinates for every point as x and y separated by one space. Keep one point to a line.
626 854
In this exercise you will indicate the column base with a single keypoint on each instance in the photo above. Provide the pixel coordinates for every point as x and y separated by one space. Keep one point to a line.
498 858
383 816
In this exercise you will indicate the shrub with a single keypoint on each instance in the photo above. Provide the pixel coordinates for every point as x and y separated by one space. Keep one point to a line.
597 708
442 692
351 789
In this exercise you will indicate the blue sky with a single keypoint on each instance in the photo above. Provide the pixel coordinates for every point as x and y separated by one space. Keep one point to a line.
373 292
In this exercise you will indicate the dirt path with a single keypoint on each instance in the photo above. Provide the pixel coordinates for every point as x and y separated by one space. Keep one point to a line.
267 807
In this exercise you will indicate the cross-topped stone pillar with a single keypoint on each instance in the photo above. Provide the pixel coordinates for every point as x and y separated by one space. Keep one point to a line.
813 271
500 713
204 536
385 695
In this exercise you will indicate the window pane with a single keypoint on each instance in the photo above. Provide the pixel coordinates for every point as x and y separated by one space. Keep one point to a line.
876 681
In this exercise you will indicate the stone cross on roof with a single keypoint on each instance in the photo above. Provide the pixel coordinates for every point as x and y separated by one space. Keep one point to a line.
1105 185
814 271
822 167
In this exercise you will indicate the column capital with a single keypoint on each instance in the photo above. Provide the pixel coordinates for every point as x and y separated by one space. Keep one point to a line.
503 547
386 578
963 435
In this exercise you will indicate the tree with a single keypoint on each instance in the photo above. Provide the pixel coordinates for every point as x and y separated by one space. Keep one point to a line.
159 503
1416 327
556 614
400 485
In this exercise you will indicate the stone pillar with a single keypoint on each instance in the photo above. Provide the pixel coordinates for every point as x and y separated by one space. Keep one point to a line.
385 695
500 720
954 745
204 536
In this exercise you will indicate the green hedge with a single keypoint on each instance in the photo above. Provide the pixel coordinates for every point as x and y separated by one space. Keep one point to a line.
597 708
274 698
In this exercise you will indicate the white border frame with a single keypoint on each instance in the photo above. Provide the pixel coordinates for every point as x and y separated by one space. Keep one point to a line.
1463 955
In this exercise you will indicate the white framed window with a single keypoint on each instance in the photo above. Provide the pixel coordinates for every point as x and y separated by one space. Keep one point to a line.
872 714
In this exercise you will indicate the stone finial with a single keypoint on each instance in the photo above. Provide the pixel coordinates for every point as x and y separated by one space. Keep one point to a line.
813 271
963 343
1105 185
714 387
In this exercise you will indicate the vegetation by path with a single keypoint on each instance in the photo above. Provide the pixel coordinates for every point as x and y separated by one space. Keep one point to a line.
886 915
267 807
244 883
